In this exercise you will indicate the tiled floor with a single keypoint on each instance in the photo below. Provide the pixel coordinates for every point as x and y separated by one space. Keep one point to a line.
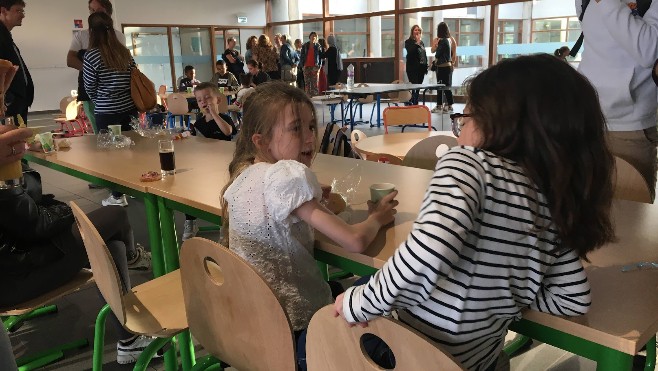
77 312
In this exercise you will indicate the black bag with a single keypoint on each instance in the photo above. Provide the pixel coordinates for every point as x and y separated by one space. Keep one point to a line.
433 65
341 141
326 137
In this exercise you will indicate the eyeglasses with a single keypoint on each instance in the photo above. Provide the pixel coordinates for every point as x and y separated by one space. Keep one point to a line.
458 122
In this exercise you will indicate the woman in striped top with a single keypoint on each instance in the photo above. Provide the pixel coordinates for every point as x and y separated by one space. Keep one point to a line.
507 215
106 74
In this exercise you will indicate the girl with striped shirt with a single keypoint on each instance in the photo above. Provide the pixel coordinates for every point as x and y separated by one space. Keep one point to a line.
506 217
106 74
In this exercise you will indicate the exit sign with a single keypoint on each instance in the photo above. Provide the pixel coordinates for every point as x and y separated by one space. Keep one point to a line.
242 19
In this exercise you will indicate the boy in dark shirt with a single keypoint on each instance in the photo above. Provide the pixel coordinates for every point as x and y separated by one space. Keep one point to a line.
211 124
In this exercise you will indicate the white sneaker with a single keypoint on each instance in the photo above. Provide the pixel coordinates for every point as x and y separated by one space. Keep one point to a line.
113 201
436 109
129 351
191 229
143 259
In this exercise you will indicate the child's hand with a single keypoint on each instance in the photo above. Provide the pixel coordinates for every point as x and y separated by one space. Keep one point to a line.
384 210
338 311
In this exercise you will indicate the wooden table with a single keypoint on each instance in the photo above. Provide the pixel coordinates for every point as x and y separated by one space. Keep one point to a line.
378 89
623 316
396 144
624 312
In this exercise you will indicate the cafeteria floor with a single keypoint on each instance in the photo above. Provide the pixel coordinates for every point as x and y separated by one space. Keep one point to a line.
77 312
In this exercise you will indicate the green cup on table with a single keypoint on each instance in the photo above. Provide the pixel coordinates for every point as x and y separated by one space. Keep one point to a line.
379 190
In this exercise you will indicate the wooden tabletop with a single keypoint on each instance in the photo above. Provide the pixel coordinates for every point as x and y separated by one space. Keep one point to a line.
396 144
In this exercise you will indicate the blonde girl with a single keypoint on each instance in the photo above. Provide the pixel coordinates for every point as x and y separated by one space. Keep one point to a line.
273 202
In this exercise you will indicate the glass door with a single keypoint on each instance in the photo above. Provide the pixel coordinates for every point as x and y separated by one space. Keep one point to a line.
191 46
149 47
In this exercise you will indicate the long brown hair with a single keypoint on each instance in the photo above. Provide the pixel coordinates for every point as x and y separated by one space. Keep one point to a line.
556 133
251 42
262 112
442 31
114 54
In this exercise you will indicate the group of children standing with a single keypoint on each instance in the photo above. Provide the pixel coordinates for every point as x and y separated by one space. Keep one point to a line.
503 224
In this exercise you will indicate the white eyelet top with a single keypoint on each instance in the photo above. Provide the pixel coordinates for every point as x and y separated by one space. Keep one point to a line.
276 243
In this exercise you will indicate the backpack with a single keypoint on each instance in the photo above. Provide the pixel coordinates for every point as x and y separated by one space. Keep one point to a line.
341 141
142 90
326 138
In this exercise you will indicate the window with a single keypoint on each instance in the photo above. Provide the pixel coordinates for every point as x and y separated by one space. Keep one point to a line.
467 32
388 36
559 30
352 36
509 32
309 27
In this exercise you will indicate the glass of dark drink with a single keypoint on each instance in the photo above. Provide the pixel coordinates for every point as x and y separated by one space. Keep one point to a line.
167 159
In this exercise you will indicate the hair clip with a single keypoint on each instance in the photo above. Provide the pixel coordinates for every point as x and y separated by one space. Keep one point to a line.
640 265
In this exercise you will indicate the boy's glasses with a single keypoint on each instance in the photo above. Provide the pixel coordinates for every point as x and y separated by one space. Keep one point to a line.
458 122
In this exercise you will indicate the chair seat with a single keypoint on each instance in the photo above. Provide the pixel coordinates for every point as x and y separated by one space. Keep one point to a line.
156 308
82 279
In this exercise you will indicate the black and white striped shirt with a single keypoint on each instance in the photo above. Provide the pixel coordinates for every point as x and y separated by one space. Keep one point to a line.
474 259
109 90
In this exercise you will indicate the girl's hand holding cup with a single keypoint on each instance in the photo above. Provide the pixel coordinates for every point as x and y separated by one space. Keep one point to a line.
383 210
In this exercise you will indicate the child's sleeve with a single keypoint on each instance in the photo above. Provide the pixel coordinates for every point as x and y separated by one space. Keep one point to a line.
564 289
450 206
289 184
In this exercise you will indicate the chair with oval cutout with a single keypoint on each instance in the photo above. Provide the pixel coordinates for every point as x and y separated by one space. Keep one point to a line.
154 308
239 320
332 345
426 153
355 137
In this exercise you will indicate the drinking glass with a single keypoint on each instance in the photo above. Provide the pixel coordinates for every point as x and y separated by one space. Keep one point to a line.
167 158
103 139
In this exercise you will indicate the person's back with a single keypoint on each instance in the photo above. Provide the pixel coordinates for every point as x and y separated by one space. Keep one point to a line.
617 59
499 229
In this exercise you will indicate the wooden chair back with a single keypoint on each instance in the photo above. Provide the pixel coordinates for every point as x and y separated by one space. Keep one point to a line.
407 115
385 157
177 104
332 345
71 111
232 311
356 136
64 103
629 184
105 272
222 106
424 154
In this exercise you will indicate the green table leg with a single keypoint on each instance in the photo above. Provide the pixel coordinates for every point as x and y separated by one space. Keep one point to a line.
324 269
155 239
11 322
650 364
169 240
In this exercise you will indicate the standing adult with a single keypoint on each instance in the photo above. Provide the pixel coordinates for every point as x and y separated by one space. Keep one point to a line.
334 61
300 68
265 53
416 59
310 59
106 74
20 94
234 61
79 45
249 46
443 60
623 78
322 76
289 60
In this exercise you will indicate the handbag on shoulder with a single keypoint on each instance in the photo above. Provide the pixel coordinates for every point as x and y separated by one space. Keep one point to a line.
142 90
